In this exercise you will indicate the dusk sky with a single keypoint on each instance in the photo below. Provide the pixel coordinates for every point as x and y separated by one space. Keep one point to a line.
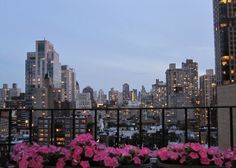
108 42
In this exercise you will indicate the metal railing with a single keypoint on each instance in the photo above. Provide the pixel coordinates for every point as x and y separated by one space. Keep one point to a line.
163 123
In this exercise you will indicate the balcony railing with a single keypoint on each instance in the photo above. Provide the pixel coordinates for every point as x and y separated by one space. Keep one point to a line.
152 127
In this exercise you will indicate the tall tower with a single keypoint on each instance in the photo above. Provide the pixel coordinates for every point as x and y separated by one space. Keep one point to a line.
68 82
126 93
191 79
225 40
43 62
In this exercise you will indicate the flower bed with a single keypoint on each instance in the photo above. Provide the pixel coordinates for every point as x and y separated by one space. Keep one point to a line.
84 152
195 155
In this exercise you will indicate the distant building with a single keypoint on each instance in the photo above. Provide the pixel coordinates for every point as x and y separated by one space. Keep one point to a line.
84 100
68 83
159 94
134 95
62 130
102 97
89 90
7 93
182 86
207 94
22 116
125 93
113 97
14 91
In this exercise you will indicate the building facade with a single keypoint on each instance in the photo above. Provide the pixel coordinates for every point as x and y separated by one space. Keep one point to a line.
225 40
125 93
182 88
44 61
68 83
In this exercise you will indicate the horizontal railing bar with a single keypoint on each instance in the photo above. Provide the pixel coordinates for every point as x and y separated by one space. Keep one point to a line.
123 108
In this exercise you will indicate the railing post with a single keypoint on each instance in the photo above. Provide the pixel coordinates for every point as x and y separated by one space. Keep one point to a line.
209 126
52 127
95 124
163 126
186 125
73 124
9 133
30 125
140 128
231 128
118 128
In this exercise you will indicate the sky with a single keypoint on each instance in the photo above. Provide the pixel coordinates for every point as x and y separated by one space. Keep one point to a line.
108 42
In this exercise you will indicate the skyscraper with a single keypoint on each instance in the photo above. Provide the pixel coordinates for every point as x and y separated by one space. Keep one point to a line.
126 93
44 61
68 82
225 40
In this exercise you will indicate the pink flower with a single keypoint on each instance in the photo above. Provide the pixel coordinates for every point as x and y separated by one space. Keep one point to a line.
136 160
23 163
60 163
66 153
212 151
182 160
218 162
173 155
100 156
163 154
84 138
84 164
110 162
205 161
193 155
228 164
77 152
196 147
144 151
89 151
203 154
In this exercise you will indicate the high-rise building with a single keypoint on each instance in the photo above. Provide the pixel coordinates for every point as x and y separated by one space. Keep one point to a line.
7 93
184 79
225 40
89 90
225 65
14 91
190 69
113 97
102 97
134 95
126 93
207 95
159 94
44 61
84 100
182 87
68 82
208 88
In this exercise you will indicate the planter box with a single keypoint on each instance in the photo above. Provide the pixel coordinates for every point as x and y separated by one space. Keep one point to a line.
135 166
164 165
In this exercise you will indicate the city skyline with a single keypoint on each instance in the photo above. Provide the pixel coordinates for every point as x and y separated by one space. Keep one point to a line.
103 57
